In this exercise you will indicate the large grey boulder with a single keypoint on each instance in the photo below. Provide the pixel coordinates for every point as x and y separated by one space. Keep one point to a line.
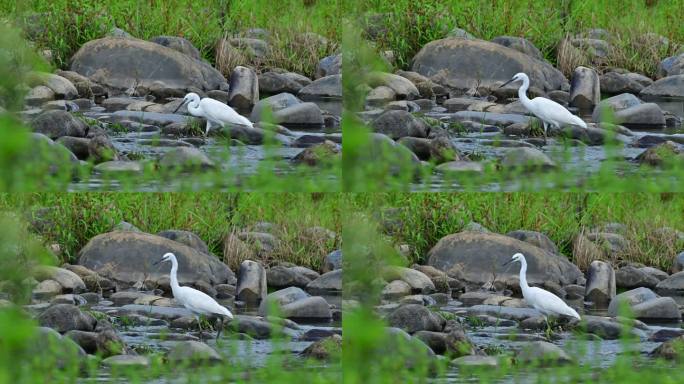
661 308
185 237
520 44
671 86
464 64
537 239
272 83
614 104
630 277
179 44
281 276
642 114
474 255
672 286
327 282
301 114
120 63
615 83
630 298
127 257
324 87
314 307
282 297
273 104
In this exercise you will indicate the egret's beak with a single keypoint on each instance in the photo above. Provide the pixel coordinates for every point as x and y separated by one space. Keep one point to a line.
179 106
157 262
508 262
506 83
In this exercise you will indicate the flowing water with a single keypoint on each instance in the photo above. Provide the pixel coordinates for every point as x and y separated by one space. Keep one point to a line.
239 161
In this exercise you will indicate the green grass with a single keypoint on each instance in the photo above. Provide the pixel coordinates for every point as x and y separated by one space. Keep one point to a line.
72 219
426 217
408 25
63 26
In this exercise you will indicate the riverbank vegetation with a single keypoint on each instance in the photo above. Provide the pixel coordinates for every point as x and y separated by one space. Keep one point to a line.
404 27
63 26
421 219
72 219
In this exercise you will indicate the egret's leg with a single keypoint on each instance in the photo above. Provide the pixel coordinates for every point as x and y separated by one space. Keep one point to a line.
199 324
548 327
545 128
220 328
206 133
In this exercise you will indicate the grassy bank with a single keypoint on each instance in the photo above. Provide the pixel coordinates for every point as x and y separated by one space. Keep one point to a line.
424 218
408 25
72 219
63 26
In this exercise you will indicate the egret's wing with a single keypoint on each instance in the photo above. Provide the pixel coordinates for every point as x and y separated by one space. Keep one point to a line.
200 302
218 111
548 302
549 110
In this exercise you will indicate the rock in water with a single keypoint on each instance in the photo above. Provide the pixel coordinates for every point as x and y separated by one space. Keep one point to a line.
194 352
66 317
244 89
600 288
251 283
585 91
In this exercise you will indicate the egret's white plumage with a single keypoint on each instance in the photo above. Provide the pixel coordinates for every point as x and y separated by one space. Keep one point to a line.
214 111
197 302
544 301
545 109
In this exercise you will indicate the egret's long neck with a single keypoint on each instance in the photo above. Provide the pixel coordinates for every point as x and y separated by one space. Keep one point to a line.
523 275
193 108
174 278
522 92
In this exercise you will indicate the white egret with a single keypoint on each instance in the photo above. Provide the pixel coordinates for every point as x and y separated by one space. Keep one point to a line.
547 110
197 302
214 111
543 301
